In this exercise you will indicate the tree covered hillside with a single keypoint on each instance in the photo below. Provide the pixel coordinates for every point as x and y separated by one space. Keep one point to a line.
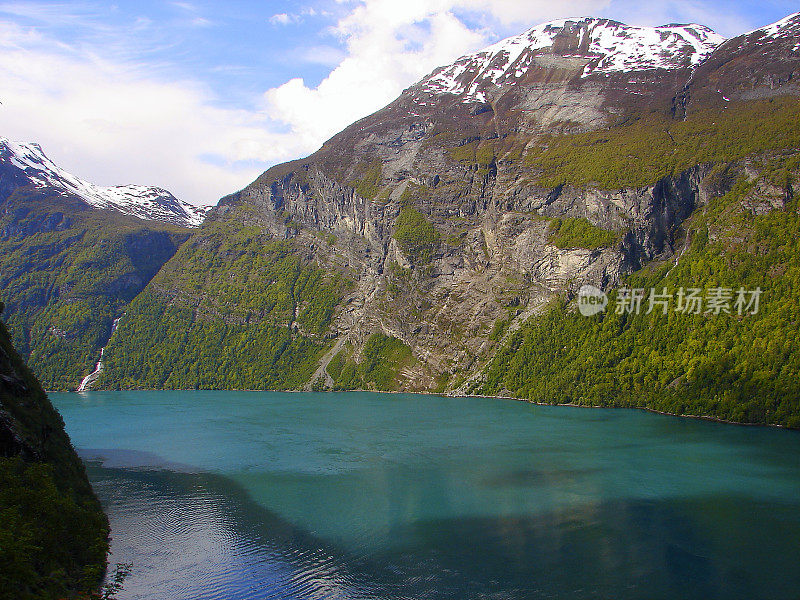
723 362
54 535
66 272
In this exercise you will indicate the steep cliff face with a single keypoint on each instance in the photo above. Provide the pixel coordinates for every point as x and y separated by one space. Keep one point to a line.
53 541
576 153
737 360
493 253
456 148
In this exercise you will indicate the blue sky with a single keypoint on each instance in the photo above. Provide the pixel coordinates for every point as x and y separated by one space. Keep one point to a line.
199 97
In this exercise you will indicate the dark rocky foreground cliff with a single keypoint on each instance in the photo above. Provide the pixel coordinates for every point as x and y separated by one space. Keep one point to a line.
53 533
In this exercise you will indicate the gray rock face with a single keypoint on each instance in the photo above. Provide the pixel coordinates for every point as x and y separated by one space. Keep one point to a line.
495 259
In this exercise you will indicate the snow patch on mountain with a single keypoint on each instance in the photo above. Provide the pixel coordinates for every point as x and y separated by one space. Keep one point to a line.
787 28
626 48
608 46
144 202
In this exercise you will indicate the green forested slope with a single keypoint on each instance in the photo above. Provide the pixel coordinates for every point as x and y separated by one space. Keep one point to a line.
53 534
235 309
220 314
640 152
66 273
380 362
741 368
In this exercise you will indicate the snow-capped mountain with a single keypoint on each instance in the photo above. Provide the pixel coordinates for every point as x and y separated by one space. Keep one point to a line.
604 46
630 129
763 63
144 202
788 28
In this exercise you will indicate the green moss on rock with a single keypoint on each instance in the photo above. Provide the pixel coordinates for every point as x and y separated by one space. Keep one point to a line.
416 236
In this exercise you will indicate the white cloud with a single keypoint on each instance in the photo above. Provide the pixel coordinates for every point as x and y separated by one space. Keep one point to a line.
299 17
379 63
321 55
200 22
281 19
390 45
112 120
110 124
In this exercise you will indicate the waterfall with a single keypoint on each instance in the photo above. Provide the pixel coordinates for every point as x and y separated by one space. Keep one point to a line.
87 381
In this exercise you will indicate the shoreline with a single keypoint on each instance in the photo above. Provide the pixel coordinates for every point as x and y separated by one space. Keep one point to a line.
479 396
644 408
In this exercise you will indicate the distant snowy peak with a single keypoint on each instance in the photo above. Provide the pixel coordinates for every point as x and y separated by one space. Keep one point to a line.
785 29
608 46
144 202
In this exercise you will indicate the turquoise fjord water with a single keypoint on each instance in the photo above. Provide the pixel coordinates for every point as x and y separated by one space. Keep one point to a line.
232 495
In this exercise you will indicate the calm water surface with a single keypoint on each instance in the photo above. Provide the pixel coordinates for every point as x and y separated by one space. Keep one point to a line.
232 495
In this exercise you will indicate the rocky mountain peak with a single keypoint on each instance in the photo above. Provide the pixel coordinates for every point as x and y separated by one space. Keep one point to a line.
764 63
788 27
32 166
602 45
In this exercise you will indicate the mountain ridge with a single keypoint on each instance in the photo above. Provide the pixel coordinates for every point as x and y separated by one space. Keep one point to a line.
436 244
72 256
144 202
642 48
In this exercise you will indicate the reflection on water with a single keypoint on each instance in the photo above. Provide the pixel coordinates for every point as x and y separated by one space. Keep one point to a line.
200 536
427 498
192 535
